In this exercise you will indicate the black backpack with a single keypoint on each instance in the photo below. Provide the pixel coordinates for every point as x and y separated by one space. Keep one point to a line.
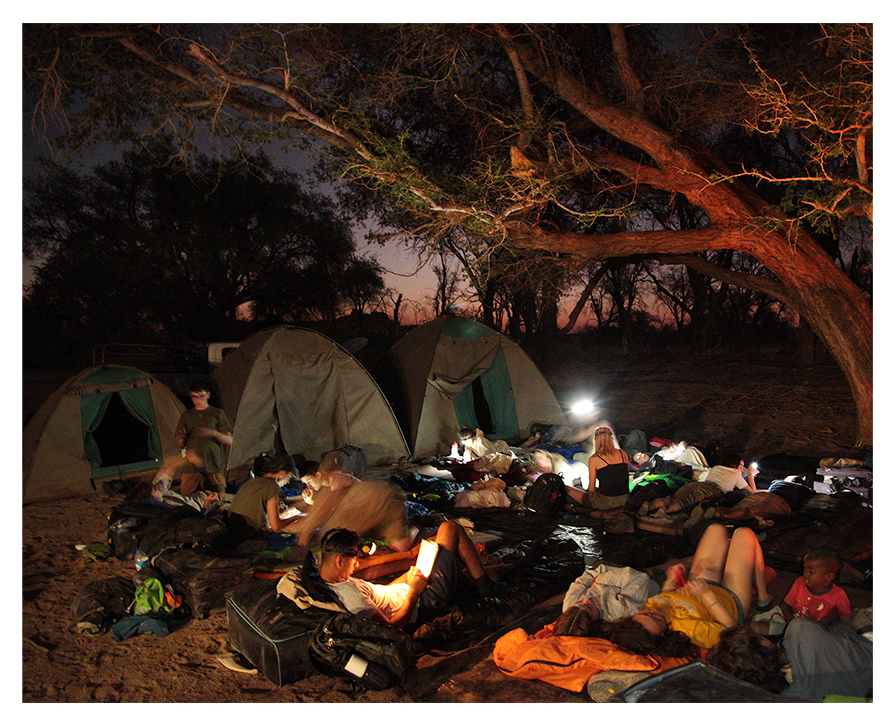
546 495
372 655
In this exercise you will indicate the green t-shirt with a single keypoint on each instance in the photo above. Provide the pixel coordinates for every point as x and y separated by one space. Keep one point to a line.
251 500
210 450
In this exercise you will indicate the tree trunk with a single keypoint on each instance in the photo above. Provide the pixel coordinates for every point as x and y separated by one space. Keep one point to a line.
699 320
739 219
807 344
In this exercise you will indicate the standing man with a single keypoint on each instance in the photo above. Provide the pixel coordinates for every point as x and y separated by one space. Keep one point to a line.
202 433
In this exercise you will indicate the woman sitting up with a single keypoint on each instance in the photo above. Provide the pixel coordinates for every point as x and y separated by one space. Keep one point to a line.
693 609
608 465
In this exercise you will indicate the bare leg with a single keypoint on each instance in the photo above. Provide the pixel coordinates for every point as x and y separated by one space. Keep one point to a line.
745 567
711 554
576 494
452 536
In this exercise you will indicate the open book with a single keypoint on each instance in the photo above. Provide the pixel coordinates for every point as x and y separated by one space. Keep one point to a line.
426 557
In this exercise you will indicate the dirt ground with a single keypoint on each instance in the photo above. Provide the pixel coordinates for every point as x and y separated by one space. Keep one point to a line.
764 409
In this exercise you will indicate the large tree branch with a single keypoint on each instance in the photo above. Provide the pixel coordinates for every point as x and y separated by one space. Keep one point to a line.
633 89
528 113
584 247
299 109
691 171
758 283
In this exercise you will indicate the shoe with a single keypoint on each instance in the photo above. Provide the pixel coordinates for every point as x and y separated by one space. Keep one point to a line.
607 686
766 605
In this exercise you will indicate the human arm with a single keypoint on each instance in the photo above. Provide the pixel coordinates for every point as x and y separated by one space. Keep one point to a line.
180 433
416 583
787 611
750 478
578 589
788 604
719 613
274 522
222 437
675 577
841 606
223 430
592 474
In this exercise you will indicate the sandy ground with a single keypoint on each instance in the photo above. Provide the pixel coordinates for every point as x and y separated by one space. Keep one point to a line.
767 409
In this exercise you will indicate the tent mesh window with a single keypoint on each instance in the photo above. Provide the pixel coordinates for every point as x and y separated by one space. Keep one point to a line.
121 438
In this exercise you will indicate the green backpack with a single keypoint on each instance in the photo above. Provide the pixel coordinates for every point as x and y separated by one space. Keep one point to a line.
154 598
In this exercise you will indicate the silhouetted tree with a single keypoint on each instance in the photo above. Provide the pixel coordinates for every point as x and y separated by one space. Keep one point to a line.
522 135
148 249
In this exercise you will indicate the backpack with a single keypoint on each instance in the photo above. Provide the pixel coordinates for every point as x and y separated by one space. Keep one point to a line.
202 578
371 655
545 495
153 598
180 528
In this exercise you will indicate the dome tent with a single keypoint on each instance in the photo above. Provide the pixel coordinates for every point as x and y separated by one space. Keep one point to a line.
289 388
454 372
104 422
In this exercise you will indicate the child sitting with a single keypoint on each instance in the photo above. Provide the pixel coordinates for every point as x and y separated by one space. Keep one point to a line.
814 595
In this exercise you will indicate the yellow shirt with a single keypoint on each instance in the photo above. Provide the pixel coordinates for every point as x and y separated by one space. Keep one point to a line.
687 614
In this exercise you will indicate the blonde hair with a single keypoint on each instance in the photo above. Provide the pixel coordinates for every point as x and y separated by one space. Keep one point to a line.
604 441
556 461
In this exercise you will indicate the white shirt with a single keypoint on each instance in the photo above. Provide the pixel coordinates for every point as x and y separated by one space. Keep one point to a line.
364 598
726 478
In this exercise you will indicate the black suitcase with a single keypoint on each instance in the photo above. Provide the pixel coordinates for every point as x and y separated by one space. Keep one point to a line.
203 578
272 632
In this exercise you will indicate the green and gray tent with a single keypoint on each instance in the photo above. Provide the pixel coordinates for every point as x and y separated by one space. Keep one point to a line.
105 422
454 372
291 389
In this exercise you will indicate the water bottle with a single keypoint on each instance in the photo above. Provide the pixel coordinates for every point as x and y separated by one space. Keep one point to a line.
455 451
141 559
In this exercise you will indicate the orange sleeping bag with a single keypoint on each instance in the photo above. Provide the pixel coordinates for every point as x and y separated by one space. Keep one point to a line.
569 661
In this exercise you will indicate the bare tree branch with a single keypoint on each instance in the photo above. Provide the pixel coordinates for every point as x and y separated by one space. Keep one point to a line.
631 83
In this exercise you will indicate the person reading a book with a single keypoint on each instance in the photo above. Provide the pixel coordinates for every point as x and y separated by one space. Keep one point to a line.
422 593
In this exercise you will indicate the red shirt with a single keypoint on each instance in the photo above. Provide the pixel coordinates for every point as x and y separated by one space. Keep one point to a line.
805 604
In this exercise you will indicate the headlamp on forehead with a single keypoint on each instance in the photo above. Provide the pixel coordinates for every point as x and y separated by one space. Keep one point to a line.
345 542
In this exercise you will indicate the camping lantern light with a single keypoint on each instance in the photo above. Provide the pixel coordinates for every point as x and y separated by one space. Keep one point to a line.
582 407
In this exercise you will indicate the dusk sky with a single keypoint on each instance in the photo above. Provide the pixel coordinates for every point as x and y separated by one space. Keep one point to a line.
404 273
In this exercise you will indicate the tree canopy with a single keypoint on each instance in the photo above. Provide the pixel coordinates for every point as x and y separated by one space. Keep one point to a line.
149 248
551 139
